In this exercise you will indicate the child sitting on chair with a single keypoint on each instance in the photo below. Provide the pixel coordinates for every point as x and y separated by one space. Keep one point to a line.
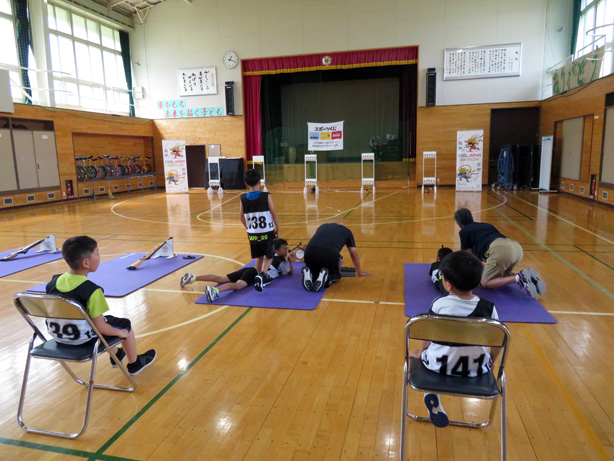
435 273
461 273
81 255
234 281
281 265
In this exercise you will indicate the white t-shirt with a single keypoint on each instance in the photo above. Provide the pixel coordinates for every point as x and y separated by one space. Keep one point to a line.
466 361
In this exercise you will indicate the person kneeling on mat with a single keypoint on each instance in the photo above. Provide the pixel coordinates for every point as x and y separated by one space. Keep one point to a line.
281 265
322 256
234 281
461 272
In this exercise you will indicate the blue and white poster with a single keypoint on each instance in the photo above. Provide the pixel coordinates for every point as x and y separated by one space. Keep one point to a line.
325 136
469 150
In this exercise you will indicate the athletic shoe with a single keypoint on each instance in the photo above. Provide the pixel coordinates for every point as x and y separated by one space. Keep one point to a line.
307 281
142 361
436 412
321 280
120 354
262 279
212 293
187 279
540 285
524 280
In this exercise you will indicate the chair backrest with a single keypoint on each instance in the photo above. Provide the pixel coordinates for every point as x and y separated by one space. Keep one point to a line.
469 331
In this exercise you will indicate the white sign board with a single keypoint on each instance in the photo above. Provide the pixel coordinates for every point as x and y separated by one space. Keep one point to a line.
325 136
175 166
482 61
469 151
545 165
201 80
6 99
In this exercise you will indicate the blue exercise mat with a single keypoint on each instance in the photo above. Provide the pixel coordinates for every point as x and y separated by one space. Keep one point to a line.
512 302
26 261
286 292
117 281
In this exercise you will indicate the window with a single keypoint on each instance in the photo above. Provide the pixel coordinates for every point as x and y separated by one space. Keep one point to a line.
88 69
595 29
8 50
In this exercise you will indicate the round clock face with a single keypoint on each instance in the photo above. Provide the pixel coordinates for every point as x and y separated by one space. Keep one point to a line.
230 59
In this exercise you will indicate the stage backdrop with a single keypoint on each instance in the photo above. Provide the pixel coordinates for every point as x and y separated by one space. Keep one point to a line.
175 168
469 150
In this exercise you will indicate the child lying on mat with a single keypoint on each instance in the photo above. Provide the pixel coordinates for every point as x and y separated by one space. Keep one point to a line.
461 273
281 265
435 273
233 281
81 255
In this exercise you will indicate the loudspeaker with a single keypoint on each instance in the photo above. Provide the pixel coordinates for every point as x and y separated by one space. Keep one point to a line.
431 78
230 98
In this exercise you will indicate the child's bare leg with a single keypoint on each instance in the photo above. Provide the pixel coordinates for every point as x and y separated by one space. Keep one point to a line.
498 282
415 354
129 346
266 264
212 278
259 264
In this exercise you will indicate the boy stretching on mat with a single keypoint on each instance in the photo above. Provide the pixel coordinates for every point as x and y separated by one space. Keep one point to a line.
435 273
81 255
233 281
257 214
281 265
462 273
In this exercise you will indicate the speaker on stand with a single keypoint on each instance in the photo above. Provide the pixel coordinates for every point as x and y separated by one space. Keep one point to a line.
431 79
229 89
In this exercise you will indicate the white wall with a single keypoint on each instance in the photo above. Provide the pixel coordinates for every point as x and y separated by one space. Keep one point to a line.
182 35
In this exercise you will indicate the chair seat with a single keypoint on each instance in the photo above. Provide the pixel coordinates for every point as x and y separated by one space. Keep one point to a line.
420 378
72 353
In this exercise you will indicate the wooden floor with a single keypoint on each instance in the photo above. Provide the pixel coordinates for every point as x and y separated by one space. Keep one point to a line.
262 384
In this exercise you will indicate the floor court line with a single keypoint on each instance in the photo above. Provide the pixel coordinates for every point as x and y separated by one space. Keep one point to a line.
61 450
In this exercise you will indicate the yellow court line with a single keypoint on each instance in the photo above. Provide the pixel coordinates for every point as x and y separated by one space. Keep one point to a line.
360 301
581 313
554 377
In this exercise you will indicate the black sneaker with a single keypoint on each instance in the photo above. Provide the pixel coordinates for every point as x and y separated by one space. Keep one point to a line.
307 282
120 354
259 282
321 280
142 361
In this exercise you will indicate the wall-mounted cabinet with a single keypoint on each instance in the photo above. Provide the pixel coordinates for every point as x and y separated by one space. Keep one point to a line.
28 155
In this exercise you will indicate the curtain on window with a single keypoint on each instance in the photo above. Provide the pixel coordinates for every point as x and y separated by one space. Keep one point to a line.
577 9
24 41
124 41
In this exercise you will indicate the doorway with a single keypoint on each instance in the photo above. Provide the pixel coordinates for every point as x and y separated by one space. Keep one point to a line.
196 164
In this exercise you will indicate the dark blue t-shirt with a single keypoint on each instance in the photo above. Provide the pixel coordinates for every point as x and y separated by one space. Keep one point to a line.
332 236
478 236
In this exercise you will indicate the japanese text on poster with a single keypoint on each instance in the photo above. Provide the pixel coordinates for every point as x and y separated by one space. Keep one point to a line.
469 150
482 61
197 81
325 136
175 166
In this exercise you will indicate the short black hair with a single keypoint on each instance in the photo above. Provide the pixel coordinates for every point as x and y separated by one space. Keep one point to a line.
251 177
277 243
462 270
443 252
463 216
76 249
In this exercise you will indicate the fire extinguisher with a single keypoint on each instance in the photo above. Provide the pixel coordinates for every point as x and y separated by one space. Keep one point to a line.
593 193
69 193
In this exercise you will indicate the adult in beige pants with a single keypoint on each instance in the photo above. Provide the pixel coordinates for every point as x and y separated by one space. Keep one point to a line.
500 254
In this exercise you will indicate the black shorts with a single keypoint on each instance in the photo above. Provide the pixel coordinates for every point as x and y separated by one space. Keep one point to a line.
118 322
247 274
263 248
317 257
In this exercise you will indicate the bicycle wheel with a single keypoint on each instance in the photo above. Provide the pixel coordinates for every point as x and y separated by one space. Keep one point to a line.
81 173
90 171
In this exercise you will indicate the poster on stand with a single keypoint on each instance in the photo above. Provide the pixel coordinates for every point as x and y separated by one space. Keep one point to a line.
469 150
175 167
325 136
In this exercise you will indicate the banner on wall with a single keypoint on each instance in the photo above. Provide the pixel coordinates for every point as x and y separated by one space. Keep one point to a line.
469 150
175 167
325 136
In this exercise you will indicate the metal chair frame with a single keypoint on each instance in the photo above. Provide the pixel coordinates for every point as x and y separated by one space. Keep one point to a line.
53 306
461 330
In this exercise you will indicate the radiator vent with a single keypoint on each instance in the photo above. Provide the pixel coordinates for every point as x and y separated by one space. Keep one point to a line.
8 200
30 198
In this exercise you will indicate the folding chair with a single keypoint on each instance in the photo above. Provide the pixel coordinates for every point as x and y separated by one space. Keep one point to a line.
463 331
52 306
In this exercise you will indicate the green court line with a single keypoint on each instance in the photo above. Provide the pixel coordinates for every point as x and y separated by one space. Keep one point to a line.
353 208
560 258
518 211
149 404
60 450
594 257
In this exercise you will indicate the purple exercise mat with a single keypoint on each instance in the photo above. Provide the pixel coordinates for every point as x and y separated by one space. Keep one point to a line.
512 302
285 292
117 281
26 261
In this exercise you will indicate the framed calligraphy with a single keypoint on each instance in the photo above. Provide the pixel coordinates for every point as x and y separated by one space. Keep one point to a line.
482 61
201 80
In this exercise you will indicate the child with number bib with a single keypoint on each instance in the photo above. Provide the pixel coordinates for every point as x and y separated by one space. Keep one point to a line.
461 274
